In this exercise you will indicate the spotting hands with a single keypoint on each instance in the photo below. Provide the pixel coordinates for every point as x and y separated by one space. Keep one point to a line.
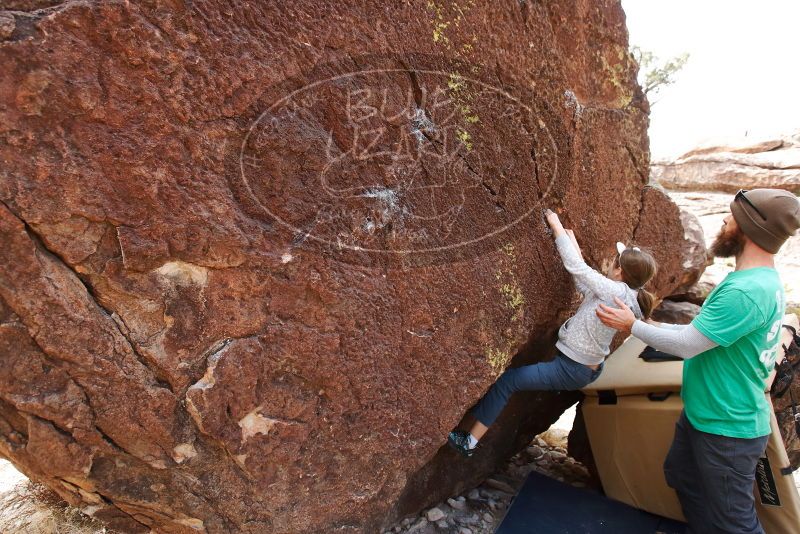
621 318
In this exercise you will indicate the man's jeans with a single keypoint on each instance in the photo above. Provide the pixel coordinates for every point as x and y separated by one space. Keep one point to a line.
562 373
713 476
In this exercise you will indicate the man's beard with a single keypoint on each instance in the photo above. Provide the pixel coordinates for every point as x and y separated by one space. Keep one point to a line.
728 245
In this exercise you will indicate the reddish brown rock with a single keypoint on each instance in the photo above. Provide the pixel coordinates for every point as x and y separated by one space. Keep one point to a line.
697 293
258 258
673 312
694 251
679 249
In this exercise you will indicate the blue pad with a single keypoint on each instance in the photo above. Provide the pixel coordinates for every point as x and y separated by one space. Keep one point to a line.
544 505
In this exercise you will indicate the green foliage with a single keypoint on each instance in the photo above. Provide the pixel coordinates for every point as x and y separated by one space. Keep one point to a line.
655 74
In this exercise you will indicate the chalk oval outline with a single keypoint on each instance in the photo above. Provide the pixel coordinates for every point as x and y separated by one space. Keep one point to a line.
357 248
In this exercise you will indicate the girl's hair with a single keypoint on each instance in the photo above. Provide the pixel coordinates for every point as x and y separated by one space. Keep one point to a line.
638 267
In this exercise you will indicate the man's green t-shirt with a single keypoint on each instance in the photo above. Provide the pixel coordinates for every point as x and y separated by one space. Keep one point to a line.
723 388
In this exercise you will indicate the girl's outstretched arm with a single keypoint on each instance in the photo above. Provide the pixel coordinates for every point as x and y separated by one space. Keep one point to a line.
571 235
585 276
578 284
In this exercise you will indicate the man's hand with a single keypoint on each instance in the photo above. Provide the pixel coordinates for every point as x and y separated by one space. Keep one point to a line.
554 222
621 318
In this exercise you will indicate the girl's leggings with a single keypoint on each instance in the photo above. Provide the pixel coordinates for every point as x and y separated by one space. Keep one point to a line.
561 373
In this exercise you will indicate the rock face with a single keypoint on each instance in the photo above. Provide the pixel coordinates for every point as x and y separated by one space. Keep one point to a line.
730 167
259 258
683 268
697 293
673 312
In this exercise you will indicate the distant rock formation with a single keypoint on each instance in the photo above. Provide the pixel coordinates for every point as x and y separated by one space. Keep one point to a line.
258 258
746 164
672 312
695 294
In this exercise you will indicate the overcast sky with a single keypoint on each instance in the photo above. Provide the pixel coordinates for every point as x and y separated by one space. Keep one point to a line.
743 74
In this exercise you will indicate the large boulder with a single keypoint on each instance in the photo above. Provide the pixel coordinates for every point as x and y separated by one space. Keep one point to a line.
772 162
259 258
672 312
697 293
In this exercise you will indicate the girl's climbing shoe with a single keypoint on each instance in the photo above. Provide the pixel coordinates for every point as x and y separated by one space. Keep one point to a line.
459 440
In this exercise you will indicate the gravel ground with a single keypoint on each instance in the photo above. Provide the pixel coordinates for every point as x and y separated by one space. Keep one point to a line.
480 510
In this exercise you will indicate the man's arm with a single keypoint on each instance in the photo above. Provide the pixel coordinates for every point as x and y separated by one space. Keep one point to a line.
665 325
684 341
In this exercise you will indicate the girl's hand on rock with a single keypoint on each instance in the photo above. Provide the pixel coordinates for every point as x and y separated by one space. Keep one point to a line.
554 222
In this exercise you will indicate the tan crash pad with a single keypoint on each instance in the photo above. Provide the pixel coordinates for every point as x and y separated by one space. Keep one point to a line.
626 374
630 440
784 517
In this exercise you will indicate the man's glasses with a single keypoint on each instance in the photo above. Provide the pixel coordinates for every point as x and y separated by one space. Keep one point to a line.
740 196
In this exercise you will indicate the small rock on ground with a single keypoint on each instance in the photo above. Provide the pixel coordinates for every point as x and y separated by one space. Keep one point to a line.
434 514
418 525
500 485
457 505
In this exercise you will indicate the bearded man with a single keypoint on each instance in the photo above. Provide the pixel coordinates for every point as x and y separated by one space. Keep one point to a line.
729 350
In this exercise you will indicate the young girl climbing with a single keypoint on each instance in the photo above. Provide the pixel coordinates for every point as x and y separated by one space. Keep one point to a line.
583 341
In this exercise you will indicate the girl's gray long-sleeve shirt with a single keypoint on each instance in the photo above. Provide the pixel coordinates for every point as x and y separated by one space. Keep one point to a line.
583 337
